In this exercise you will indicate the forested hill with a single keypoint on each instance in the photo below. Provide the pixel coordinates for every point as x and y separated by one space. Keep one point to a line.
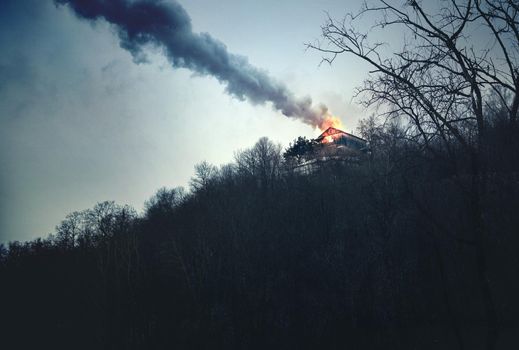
412 247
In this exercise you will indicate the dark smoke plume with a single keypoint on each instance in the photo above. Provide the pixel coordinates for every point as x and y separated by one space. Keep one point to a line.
166 24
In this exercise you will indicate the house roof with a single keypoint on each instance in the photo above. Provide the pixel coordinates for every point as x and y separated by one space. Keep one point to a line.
333 131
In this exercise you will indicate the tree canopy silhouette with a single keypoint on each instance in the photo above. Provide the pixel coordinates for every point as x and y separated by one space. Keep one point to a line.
412 247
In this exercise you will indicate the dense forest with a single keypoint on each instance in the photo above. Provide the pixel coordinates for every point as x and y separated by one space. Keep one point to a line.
412 245
376 254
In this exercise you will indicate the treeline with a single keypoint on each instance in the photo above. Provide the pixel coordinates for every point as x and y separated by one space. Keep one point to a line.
376 254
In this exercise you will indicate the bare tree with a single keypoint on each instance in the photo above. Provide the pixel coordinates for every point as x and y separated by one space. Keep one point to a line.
442 79
164 201
69 230
204 174
263 160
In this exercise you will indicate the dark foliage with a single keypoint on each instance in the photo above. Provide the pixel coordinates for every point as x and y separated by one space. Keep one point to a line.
376 255
299 150
412 246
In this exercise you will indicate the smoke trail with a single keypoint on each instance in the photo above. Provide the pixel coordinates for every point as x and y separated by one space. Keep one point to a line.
168 25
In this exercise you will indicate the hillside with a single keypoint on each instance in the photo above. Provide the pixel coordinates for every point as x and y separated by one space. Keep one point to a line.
377 255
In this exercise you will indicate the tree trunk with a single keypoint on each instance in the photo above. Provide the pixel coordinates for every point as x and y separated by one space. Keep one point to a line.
446 299
480 238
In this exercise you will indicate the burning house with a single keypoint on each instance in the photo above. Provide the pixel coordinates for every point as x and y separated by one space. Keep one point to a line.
333 145
341 139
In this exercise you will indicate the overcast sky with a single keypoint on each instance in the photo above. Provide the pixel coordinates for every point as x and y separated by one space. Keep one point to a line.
81 122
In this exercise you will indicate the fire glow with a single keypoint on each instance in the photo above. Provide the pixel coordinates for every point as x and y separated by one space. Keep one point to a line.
330 121
329 124
330 135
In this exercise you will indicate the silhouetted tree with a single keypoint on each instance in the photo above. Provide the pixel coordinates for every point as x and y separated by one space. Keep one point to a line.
441 83
412 247
204 174
299 150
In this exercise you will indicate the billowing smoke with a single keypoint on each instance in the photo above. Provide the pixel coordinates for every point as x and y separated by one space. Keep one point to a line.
166 24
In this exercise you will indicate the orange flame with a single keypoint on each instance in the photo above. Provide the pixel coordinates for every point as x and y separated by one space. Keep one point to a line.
328 139
329 136
330 121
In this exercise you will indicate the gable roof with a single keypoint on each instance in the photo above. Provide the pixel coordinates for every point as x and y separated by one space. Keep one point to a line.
333 131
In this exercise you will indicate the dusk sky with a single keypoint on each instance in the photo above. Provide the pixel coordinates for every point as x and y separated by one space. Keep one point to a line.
82 122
